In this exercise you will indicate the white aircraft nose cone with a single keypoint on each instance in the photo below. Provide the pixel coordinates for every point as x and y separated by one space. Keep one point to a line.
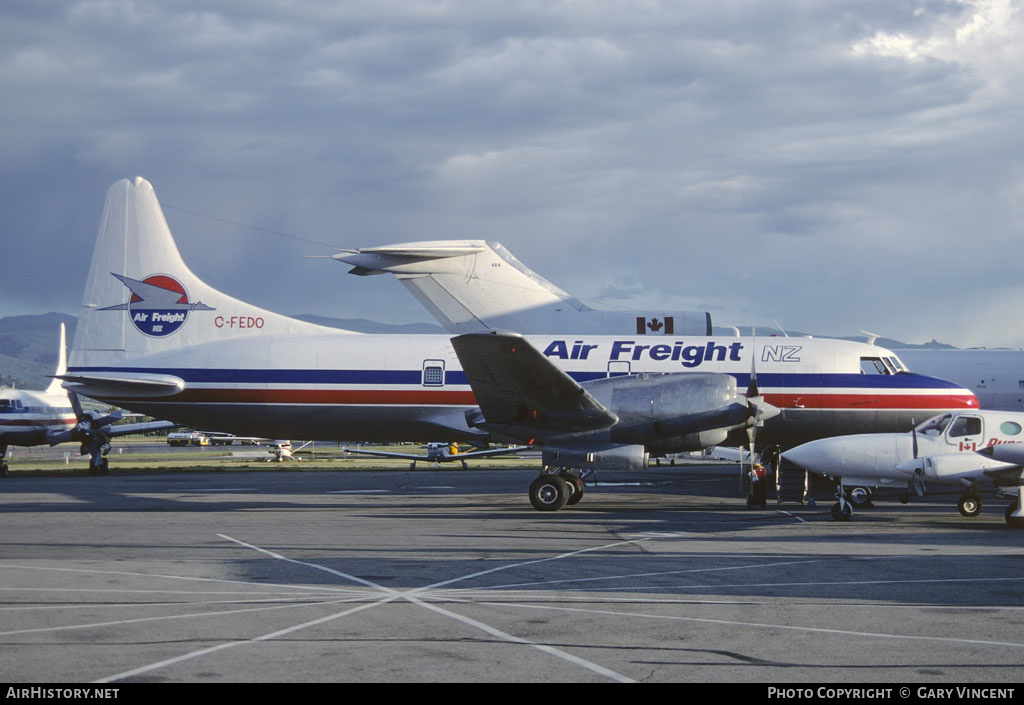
868 455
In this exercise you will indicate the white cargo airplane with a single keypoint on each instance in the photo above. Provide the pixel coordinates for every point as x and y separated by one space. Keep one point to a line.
440 453
590 401
52 416
961 448
469 285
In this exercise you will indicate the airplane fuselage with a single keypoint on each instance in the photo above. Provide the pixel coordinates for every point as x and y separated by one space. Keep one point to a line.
388 388
29 417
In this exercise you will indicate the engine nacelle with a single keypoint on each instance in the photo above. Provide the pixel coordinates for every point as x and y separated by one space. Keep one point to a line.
596 456
954 466
689 442
679 406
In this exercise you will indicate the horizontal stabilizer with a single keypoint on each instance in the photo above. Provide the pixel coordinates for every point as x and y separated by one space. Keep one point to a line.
122 385
515 385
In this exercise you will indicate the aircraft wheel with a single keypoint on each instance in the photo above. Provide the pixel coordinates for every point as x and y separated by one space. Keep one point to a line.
575 486
4 472
904 498
969 506
842 512
1012 521
859 496
548 493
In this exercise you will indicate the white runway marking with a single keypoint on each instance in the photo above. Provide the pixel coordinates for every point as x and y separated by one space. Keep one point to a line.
759 625
358 491
390 595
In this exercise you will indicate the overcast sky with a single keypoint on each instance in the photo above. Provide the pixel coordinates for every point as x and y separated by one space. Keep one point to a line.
830 166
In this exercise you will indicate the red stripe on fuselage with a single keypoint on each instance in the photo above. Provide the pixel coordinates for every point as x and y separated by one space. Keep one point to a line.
37 422
943 402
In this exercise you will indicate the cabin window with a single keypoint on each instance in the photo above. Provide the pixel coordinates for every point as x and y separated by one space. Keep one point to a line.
1009 428
618 368
965 426
433 373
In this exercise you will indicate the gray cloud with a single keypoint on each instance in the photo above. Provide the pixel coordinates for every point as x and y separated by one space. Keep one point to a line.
838 167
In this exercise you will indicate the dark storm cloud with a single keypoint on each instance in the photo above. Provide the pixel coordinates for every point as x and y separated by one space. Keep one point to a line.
834 167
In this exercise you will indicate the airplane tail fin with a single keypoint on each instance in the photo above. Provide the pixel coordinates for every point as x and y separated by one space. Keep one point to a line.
62 364
140 297
472 285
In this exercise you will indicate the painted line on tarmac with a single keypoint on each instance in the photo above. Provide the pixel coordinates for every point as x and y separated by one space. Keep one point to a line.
760 625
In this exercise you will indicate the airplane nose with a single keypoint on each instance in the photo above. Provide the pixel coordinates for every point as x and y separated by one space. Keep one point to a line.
823 456
868 455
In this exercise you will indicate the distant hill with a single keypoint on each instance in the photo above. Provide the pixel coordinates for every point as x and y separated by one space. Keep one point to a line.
890 343
361 325
28 348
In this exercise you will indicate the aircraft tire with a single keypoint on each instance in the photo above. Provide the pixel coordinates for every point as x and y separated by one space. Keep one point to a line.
4 471
548 493
842 512
575 486
904 498
969 506
1012 521
859 496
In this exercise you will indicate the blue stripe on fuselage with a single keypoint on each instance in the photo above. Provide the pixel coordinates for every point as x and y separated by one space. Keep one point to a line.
457 377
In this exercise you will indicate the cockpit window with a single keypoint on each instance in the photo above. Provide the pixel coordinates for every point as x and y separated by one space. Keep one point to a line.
10 405
896 363
965 426
873 366
935 426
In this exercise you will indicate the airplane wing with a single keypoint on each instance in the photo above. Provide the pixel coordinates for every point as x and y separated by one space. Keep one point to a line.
492 451
386 454
122 384
425 458
516 386
126 429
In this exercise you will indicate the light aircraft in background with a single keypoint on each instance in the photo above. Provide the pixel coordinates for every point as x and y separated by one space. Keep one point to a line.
592 401
52 416
440 453
473 285
964 448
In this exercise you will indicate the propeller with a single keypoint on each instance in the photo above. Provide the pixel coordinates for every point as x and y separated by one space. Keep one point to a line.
917 479
758 409
91 433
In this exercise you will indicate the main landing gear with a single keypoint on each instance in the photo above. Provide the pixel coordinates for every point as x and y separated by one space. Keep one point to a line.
552 491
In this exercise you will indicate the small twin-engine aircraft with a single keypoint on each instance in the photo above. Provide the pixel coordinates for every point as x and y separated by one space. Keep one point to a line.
964 448
212 361
52 416
440 453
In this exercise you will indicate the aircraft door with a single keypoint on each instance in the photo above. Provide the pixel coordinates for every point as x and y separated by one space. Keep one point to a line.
966 432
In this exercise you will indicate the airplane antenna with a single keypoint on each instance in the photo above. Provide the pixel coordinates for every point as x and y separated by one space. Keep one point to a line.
872 337
253 227
784 333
